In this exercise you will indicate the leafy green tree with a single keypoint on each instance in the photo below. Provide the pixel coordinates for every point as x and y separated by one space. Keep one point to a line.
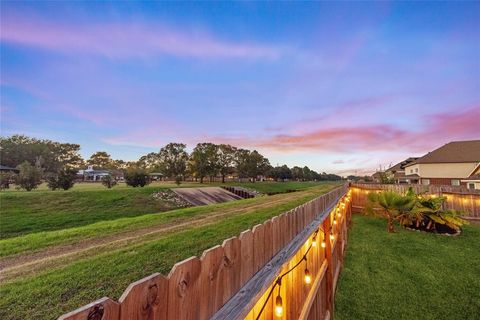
29 177
152 162
109 181
173 160
226 160
6 179
136 177
64 179
101 160
204 160
297 173
251 164
53 156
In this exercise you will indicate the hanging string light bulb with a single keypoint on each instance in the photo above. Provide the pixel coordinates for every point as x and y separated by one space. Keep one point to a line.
314 241
279 305
332 237
308 276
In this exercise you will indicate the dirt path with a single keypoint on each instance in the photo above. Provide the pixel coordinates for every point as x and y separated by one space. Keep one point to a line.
12 267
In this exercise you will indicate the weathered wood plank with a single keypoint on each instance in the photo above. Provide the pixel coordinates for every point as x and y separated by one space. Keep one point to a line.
104 308
183 294
145 299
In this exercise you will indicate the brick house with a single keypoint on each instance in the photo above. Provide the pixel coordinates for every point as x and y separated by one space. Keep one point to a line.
451 164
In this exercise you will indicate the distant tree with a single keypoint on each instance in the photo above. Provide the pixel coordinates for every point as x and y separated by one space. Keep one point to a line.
136 177
307 174
100 159
226 160
64 179
297 173
280 173
109 181
51 155
5 179
204 160
29 177
251 164
173 160
151 162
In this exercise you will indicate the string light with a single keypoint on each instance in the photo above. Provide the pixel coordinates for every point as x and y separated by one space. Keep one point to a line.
279 305
307 275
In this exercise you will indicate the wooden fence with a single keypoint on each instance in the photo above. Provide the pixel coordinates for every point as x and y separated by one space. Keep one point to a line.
460 199
198 288
319 248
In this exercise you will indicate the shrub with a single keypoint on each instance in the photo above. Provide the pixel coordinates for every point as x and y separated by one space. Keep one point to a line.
29 177
5 179
136 177
109 181
415 211
64 179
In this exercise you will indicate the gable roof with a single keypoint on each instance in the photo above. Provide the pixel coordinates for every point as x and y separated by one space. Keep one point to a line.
401 165
453 152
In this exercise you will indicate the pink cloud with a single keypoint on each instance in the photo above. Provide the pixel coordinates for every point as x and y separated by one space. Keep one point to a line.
437 129
120 40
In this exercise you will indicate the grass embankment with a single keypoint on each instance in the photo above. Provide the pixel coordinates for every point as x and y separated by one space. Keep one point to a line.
409 275
74 283
87 203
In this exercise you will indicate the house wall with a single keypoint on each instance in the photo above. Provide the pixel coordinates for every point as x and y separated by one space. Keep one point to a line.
442 170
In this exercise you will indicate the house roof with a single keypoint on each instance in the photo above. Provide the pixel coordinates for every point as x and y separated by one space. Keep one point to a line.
5 168
453 152
401 165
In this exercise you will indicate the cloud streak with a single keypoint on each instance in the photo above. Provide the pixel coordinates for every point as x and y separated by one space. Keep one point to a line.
436 129
117 40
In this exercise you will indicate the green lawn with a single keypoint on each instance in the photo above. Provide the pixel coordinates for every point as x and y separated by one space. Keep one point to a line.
87 203
64 287
409 275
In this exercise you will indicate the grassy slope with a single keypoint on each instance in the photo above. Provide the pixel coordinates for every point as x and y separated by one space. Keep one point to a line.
48 294
28 212
409 275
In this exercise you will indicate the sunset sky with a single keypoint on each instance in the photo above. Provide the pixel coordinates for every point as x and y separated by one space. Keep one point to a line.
341 87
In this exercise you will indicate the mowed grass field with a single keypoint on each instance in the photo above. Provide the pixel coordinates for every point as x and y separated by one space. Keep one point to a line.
51 270
409 275
86 203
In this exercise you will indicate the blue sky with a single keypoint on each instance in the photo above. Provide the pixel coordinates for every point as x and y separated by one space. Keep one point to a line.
339 86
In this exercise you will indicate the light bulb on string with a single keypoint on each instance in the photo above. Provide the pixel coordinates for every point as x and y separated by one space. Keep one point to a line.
308 276
314 241
279 306
332 237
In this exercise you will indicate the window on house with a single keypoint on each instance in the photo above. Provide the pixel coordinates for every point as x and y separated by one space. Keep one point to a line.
471 186
411 170
416 169
425 182
455 182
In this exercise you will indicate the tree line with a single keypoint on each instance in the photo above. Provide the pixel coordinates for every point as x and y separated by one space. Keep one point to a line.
58 164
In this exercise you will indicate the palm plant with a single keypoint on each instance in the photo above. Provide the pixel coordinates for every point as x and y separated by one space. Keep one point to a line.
432 209
394 206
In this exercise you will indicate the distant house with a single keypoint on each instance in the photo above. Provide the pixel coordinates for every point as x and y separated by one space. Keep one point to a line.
473 180
378 177
452 164
397 172
91 174
8 169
